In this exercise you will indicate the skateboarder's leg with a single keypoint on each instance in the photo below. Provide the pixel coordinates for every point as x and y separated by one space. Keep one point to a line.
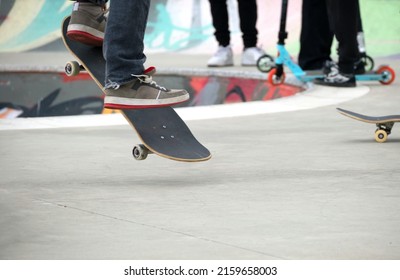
124 39
88 22
128 85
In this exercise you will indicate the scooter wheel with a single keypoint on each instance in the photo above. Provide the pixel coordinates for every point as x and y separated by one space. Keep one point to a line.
368 63
274 79
265 63
388 75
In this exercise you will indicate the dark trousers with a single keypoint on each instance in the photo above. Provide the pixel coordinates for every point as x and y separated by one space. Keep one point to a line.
344 20
248 20
98 2
322 19
316 36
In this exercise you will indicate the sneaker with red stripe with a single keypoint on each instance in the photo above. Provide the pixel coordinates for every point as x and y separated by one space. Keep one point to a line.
87 23
142 92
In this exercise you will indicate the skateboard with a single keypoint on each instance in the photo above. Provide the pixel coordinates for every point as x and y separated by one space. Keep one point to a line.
384 123
161 130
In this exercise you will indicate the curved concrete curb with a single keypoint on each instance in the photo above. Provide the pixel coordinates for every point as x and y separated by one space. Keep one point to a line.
315 96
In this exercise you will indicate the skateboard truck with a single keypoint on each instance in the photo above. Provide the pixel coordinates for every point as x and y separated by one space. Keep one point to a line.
382 132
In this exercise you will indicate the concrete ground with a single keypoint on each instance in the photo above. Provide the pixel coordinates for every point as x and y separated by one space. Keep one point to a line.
303 184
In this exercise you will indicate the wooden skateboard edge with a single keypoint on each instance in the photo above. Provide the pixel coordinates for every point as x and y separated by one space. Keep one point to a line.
364 118
350 115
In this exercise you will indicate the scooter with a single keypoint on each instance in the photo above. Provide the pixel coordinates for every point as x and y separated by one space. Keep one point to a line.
384 74
366 59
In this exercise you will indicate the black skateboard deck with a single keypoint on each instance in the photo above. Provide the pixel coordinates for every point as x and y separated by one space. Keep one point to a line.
384 123
161 130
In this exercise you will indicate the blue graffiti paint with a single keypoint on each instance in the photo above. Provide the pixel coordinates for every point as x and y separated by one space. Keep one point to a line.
46 22
163 28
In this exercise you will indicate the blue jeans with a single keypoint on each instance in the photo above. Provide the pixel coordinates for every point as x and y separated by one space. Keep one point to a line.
124 40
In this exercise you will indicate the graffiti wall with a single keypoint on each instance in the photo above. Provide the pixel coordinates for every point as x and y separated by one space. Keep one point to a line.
174 26
56 94
185 25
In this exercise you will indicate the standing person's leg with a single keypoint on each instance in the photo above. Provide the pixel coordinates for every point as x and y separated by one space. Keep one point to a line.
343 18
248 20
97 2
359 67
220 19
316 36
343 15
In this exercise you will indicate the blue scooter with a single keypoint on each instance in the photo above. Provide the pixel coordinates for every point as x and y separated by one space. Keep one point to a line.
384 74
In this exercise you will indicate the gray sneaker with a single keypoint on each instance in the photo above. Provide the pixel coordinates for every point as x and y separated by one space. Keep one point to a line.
87 24
142 93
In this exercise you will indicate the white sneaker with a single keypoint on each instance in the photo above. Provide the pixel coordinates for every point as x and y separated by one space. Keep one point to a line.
251 55
223 57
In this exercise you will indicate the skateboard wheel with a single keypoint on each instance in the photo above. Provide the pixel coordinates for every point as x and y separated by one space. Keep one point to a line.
380 135
388 75
274 79
265 63
140 152
72 68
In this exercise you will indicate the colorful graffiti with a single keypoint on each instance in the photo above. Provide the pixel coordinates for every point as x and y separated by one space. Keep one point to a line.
185 25
55 94
47 94
163 33
29 24
46 107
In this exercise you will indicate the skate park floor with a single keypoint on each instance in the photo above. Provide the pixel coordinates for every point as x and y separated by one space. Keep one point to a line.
294 180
